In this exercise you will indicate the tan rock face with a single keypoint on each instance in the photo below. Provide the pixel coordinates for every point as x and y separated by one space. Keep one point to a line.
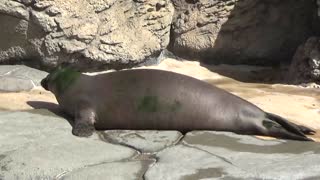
87 31
110 34
247 31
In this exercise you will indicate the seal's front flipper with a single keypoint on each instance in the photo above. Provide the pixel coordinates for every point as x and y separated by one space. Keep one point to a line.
84 121
83 129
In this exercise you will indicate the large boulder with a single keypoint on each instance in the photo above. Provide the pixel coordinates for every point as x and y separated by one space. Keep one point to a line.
237 32
89 34
15 78
305 66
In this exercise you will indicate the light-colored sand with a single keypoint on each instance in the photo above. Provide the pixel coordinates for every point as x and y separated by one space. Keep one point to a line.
21 100
299 105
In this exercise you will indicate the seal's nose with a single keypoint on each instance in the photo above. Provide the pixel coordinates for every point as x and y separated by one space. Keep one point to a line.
44 83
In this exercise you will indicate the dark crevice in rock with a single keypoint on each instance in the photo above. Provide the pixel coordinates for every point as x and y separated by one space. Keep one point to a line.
149 166
32 2
14 16
81 63
33 62
159 6
39 8
192 1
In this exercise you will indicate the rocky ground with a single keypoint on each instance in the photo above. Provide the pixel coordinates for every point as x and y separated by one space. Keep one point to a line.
36 141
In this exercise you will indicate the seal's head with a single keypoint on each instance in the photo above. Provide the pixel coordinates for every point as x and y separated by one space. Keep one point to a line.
59 79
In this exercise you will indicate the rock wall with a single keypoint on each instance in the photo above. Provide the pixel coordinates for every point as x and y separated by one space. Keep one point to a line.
245 31
87 33
106 34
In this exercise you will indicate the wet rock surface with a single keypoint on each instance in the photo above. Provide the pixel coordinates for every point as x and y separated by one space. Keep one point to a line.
15 78
182 162
39 144
289 159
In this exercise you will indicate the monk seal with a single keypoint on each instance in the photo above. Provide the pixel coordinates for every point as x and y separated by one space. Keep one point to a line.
146 99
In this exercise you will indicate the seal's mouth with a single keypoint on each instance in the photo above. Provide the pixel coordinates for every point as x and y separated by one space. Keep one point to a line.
44 83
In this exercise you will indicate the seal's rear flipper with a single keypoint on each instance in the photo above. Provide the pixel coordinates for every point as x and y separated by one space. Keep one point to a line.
283 133
298 129
280 127
306 130
286 123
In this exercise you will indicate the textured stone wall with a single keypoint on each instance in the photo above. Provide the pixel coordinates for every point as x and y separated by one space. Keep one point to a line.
95 33
105 34
241 31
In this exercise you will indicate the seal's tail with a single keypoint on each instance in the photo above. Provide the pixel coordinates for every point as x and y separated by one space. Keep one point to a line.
286 129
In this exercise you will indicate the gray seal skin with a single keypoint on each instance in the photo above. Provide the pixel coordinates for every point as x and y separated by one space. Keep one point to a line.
145 99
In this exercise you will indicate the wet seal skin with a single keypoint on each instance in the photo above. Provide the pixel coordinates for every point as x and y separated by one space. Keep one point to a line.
146 99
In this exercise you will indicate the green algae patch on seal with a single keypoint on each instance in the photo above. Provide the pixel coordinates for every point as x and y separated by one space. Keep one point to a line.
149 104
62 78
